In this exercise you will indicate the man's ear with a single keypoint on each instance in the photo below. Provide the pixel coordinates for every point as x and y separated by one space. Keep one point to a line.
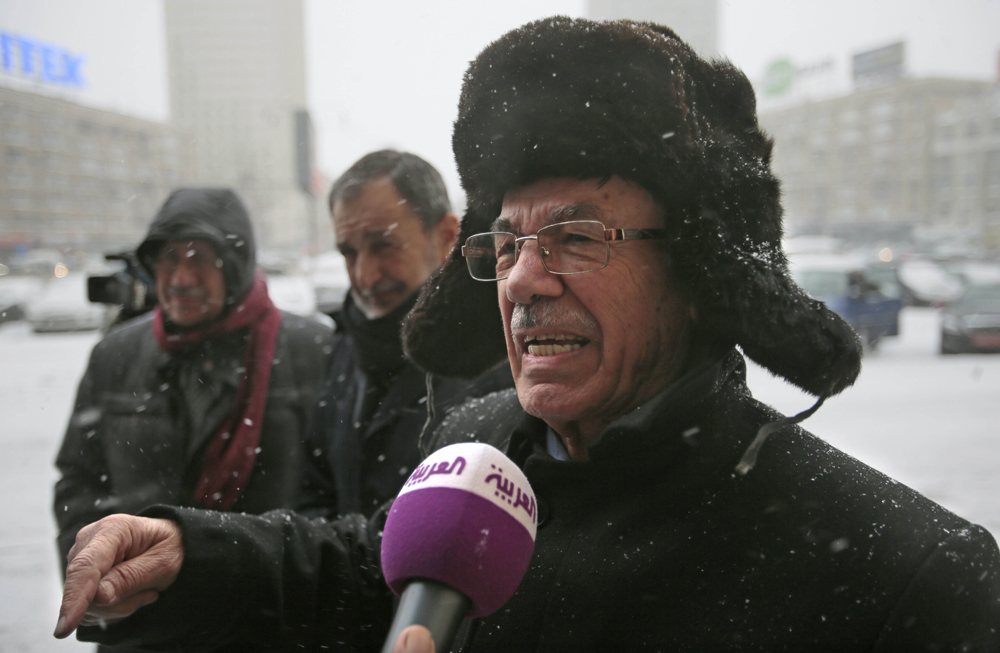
446 233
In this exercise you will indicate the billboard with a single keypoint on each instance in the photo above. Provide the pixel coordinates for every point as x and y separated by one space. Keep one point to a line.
37 60
879 66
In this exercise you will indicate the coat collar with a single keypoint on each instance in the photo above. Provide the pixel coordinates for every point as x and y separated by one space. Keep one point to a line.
666 420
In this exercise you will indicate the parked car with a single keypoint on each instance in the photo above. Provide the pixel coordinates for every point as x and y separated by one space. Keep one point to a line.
974 273
63 306
15 292
926 283
860 293
972 324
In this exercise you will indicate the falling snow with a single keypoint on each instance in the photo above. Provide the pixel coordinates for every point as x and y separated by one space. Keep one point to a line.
925 419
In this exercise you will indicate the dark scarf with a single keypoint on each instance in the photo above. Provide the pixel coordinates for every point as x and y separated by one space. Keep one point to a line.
232 451
378 347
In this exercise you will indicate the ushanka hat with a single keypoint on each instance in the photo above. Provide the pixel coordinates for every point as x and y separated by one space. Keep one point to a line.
563 97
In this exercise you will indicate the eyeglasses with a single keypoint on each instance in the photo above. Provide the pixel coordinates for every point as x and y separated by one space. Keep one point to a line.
565 248
195 256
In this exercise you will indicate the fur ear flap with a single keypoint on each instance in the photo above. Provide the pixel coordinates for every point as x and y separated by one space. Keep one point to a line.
455 328
796 338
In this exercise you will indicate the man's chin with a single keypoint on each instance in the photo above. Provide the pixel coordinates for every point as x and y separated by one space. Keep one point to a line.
373 310
550 400
187 319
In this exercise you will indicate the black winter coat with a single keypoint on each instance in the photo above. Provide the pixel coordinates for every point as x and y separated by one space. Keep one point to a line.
129 443
356 466
655 544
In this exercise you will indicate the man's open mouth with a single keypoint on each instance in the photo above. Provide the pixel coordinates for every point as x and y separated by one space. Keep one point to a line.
549 345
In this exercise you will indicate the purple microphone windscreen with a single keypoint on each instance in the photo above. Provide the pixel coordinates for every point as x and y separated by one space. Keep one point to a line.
466 518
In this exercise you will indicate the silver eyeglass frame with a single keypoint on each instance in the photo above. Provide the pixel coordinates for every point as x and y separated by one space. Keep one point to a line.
610 235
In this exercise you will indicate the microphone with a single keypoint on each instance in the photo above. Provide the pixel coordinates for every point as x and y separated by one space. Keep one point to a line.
457 540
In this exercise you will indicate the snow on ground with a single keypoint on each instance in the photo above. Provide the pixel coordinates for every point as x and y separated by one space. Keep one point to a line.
929 421
38 378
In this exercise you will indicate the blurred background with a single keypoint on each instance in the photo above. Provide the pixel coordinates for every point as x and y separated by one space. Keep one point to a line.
885 115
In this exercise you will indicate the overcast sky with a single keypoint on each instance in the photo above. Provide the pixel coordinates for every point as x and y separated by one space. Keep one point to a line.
387 74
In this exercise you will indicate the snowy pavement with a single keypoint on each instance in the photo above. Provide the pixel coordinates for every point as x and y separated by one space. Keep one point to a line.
38 378
929 421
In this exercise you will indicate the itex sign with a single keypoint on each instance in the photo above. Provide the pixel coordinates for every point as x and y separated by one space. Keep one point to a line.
28 57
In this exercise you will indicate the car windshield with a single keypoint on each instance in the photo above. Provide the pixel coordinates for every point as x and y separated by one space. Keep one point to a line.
823 283
981 298
885 279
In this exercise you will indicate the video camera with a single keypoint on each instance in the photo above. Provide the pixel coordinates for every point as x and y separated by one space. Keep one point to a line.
131 288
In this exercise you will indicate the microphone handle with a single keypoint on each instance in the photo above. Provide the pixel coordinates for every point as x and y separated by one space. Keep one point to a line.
431 604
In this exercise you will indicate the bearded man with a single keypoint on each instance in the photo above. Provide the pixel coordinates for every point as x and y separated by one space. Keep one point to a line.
622 239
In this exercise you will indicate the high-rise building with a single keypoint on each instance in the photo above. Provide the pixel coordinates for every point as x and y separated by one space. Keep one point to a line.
910 153
237 86
695 21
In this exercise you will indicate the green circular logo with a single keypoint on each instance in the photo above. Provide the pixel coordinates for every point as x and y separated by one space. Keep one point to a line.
779 77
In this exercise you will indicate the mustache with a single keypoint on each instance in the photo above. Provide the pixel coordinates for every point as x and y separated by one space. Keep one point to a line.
185 292
547 314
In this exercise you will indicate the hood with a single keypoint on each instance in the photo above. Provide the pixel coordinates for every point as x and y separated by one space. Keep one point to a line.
215 215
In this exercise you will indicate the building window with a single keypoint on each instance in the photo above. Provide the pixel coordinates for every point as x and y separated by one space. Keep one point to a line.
882 130
19 178
23 202
17 136
942 173
882 111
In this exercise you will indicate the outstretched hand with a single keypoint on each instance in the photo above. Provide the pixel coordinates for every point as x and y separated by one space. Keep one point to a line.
118 565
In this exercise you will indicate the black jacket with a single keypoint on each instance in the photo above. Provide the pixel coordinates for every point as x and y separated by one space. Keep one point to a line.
654 544
358 456
130 443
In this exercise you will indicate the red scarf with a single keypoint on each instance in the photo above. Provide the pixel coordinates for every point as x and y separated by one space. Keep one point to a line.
233 449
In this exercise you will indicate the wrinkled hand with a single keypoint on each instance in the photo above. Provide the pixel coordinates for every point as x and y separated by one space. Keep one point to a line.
118 565
415 639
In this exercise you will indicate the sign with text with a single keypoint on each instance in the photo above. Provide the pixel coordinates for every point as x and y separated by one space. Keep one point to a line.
879 66
36 60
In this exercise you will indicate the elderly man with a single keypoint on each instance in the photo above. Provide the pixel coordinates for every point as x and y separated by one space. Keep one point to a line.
203 401
394 225
621 201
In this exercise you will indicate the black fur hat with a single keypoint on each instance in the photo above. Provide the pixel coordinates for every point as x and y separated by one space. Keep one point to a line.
575 98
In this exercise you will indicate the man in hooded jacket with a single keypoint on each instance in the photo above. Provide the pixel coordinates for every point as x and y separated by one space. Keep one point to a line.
203 401
675 512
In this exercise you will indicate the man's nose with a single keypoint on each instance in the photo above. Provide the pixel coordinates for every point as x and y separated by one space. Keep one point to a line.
367 271
184 275
529 278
